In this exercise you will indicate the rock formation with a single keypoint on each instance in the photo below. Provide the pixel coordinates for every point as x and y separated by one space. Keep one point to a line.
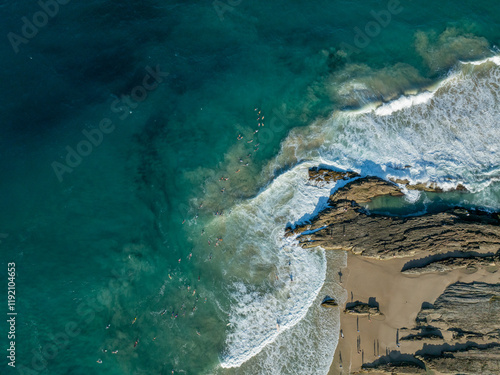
460 331
322 174
345 225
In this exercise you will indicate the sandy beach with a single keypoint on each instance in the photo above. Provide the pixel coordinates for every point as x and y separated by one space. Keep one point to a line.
399 297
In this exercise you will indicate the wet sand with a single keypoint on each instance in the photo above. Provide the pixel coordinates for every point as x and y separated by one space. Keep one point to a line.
400 298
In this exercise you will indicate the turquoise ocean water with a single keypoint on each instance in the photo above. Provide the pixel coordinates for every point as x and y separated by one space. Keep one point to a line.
163 239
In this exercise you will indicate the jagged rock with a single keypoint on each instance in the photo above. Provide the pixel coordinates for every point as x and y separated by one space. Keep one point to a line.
364 190
395 368
344 225
424 333
321 174
361 308
329 302
454 262
396 363
469 310
473 361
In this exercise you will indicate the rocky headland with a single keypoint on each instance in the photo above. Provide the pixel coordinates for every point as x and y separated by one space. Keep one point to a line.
424 289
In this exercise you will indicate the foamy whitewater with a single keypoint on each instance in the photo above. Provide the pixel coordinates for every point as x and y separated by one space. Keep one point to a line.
296 277
447 135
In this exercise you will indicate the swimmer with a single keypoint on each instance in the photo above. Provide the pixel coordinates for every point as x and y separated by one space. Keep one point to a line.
99 361
154 338
107 327
114 352
291 277
194 292
250 141
179 260
198 333
105 350
133 321
237 171
190 255
183 221
170 277
205 300
256 131
198 277
136 342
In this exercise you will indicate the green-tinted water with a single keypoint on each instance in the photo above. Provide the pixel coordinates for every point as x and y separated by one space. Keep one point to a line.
103 246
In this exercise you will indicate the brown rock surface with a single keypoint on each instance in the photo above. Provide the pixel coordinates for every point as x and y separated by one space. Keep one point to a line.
344 225
453 262
323 174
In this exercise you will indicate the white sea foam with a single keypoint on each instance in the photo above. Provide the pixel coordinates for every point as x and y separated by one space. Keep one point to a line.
403 102
309 346
447 135
258 227
494 59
